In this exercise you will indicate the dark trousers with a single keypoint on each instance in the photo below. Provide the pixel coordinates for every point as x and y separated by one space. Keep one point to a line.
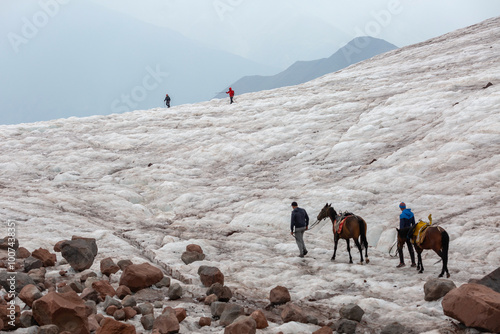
410 250
231 98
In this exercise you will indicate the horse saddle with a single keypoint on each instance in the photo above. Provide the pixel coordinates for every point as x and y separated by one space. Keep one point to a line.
339 222
420 229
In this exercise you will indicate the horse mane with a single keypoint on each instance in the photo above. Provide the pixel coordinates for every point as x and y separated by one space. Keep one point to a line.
332 211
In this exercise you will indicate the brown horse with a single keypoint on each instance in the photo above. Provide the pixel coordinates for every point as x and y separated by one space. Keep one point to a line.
354 227
436 238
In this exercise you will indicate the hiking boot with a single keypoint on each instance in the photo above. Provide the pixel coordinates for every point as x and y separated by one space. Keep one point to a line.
301 255
305 252
400 265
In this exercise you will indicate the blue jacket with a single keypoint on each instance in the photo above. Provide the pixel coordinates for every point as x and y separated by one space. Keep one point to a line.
299 218
406 218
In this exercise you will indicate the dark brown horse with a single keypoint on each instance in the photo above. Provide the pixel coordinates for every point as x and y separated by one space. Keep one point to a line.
354 227
436 238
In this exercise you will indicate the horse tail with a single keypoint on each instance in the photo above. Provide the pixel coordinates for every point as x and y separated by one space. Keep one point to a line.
362 232
445 243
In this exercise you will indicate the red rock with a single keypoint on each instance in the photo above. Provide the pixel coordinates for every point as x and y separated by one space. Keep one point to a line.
260 319
22 253
475 305
57 246
242 325
29 293
324 330
65 310
205 321
194 248
180 313
111 309
104 289
111 326
210 275
140 276
279 295
292 312
5 311
45 256
123 291
108 266
129 312
167 323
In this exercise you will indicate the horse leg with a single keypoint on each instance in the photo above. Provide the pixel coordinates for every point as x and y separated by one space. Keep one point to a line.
349 250
359 248
420 266
336 240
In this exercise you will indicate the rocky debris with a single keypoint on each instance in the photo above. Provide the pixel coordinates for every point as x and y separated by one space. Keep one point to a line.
29 293
48 259
474 305
175 291
22 253
194 248
165 282
205 321
21 280
492 280
210 275
140 276
129 301
79 252
346 326
111 301
223 293
436 288
242 325
180 313
394 328
112 326
292 312
260 319
324 330
103 288
122 264
122 291
108 266
190 257
279 295
210 299
167 322
230 313
49 329
147 321
5 244
65 310
217 308
26 319
351 312
5 313
32 262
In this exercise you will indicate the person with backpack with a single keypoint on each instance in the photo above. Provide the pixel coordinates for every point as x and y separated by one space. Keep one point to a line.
299 222
406 219
231 94
167 101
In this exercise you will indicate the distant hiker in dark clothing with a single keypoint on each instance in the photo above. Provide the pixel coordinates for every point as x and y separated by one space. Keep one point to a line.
231 94
167 101
299 221
406 219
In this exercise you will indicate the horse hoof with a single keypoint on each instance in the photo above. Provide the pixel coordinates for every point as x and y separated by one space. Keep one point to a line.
420 271
367 261
447 275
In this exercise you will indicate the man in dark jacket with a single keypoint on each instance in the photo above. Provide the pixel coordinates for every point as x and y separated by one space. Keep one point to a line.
406 219
167 101
299 222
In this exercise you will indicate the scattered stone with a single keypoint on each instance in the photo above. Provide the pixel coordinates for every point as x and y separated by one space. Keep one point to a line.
260 319
394 328
129 312
111 326
210 299
210 275
22 253
22 279
351 312
103 288
474 305
129 301
242 325
86 275
165 282
123 291
79 253
150 295
108 266
5 244
119 315
436 288
76 286
29 293
66 310
346 326
111 301
38 275
5 316
91 307
26 319
180 313
57 246
324 330
158 304
175 291
93 323
492 280
230 313
223 293
292 312
167 323
48 329
205 321
124 264
90 294
279 295
146 308
217 308
111 309
140 276
147 321
194 248
190 257
48 259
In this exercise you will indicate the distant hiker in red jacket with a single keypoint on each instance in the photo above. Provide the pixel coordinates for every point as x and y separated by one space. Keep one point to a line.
231 94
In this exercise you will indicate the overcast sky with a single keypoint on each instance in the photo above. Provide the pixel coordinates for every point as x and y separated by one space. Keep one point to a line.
279 32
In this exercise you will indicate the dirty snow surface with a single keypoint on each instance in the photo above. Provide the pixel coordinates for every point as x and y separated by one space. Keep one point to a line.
413 125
